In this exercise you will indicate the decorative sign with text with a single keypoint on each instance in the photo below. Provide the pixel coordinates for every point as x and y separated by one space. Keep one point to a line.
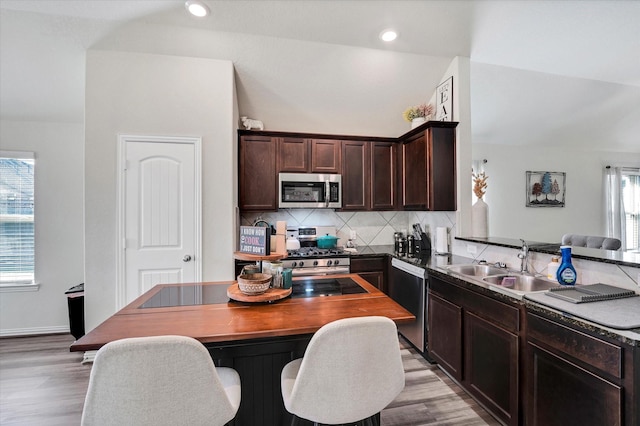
444 100
255 240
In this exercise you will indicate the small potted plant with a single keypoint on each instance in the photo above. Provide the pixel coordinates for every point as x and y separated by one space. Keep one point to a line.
417 115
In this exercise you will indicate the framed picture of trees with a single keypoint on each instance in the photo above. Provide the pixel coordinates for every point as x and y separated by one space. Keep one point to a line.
545 189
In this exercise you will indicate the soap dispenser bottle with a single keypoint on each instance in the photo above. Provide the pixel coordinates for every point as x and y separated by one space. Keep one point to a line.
566 274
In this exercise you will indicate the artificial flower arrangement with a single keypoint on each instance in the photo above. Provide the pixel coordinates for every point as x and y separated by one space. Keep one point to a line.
479 184
422 110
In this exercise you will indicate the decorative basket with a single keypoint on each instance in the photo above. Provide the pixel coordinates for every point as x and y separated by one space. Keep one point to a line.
254 284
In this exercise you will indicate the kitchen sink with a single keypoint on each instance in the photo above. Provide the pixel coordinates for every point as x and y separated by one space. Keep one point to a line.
478 271
517 282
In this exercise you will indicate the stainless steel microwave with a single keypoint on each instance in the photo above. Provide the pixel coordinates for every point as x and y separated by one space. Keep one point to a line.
309 190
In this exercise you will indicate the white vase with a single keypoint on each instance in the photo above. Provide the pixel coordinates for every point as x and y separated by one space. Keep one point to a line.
417 121
480 219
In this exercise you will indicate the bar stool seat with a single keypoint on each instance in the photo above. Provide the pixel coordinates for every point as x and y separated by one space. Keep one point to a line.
590 241
351 370
160 380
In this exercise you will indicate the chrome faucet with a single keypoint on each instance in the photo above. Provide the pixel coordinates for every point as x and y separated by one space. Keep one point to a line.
524 257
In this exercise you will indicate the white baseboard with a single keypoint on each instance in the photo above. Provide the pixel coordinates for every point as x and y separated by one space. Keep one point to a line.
15 332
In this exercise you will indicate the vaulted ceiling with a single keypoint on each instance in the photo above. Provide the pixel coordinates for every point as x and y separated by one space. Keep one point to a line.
541 71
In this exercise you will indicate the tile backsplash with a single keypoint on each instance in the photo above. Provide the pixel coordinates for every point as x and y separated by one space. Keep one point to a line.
589 272
377 228
372 228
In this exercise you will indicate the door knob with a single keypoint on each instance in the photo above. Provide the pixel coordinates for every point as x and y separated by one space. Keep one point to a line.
186 258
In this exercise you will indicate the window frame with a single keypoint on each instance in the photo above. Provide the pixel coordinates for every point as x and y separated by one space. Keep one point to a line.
631 171
25 285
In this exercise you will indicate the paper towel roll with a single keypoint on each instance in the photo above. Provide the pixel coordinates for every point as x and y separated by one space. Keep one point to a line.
442 240
281 244
281 227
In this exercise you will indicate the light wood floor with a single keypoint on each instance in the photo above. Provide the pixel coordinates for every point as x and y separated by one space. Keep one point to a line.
42 383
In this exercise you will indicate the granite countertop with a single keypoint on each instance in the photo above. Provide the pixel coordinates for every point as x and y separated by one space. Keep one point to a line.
583 316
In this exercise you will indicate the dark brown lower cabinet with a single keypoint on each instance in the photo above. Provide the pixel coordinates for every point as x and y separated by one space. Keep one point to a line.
577 378
528 367
445 335
491 366
372 268
563 393
475 340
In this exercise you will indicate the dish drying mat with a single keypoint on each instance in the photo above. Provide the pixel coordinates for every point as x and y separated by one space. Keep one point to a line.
589 293
621 314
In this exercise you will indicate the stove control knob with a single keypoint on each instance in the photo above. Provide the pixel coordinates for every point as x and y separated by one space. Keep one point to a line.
294 264
315 263
329 263
335 262
301 264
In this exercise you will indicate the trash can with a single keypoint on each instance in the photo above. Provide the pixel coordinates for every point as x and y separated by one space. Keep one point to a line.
75 301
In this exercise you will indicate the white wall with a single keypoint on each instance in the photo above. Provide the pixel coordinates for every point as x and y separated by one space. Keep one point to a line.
303 86
584 206
59 151
146 94
460 69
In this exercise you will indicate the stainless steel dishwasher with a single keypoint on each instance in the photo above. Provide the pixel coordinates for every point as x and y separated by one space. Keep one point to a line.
407 286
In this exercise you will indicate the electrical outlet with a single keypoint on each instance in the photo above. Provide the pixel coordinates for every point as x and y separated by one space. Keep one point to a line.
352 234
471 249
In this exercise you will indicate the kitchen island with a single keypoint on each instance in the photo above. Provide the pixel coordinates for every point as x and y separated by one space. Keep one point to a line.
256 339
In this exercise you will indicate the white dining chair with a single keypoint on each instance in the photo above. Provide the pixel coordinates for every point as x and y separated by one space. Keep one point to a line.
160 380
351 370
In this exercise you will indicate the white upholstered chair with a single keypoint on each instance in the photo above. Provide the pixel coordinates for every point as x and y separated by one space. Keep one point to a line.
351 370
161 380
604 243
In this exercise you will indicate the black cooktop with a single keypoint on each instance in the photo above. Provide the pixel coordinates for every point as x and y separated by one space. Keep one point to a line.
314 287
190 295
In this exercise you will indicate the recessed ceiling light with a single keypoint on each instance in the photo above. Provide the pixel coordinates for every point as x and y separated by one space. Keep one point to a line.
388 35
197 8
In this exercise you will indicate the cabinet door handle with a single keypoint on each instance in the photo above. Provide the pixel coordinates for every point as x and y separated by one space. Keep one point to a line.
186 258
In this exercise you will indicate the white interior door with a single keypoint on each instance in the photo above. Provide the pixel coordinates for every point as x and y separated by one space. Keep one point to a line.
161 213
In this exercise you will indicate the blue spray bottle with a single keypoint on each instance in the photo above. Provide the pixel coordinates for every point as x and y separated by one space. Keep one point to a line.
566 272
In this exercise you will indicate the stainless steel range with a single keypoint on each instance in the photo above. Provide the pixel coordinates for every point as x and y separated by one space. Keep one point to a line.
309 259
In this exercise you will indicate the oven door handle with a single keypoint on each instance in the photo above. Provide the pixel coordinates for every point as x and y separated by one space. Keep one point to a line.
309 272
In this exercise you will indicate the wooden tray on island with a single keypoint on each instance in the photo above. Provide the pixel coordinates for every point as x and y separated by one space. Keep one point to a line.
256 258
272 294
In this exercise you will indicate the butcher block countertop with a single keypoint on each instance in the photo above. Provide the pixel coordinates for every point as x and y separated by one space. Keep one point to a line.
234 321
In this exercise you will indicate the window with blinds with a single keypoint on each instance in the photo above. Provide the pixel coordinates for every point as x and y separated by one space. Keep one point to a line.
631 201
17 236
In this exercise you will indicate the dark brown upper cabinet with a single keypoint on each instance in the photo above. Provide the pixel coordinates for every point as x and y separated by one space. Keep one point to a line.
326 156
355 175
293 155
384 175
304 155
369 175
257 176
414 172
429 168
